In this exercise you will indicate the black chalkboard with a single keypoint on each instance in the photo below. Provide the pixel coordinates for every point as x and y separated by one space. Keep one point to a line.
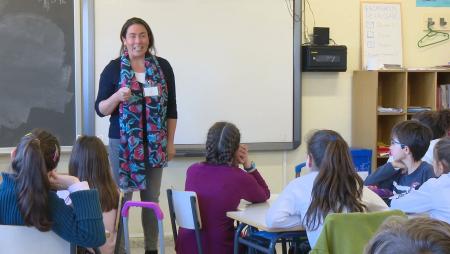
37 69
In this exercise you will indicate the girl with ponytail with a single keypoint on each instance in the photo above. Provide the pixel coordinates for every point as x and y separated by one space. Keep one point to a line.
220 184
27 195
332 186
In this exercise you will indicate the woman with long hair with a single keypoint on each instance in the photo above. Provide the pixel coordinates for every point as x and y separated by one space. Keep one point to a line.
332 186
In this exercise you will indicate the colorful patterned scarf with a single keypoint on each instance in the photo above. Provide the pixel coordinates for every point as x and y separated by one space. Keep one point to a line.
138 153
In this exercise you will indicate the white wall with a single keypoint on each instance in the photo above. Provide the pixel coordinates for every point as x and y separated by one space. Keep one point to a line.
326 96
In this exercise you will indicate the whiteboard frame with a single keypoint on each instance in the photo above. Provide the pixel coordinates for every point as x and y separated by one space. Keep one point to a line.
194 150
77 77
363 29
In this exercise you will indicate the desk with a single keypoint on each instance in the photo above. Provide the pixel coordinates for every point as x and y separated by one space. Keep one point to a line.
254 216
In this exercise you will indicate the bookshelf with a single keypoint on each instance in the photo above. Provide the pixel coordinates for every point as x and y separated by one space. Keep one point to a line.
389 89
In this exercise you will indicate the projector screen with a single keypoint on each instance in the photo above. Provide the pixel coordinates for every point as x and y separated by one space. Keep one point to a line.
233 60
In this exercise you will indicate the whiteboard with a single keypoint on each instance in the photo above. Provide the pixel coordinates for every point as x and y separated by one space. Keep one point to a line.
381 34
233 61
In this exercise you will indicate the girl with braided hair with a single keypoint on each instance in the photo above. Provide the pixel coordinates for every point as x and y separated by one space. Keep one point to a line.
220 184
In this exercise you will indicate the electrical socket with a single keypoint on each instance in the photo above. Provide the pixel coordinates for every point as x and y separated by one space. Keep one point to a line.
439 21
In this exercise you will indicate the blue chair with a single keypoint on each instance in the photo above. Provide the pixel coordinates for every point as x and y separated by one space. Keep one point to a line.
298 168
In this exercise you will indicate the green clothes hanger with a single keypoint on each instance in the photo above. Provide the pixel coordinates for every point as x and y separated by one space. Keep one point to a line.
431 35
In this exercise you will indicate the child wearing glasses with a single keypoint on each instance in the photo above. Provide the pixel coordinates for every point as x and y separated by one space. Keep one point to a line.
409 143
432 197
438 126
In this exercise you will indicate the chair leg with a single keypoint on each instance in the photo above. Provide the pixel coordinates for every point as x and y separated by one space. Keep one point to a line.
237 233
283 246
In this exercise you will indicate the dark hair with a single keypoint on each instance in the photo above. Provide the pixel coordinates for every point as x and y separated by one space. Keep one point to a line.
138 21
89 162
337 187
51 150
432 120
398 235
415 135
444 118
222 143
442 153
32 184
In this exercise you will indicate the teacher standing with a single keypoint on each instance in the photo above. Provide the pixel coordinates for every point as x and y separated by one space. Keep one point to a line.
138 91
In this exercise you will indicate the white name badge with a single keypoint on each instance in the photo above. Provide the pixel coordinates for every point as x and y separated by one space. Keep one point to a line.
151 91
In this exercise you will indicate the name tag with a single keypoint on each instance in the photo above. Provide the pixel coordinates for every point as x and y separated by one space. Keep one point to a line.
151 91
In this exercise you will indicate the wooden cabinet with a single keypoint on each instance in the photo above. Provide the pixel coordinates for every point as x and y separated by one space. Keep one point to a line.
389 89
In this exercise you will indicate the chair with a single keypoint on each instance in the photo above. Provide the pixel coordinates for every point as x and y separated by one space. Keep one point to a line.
349 232
298 169
184 212
25 240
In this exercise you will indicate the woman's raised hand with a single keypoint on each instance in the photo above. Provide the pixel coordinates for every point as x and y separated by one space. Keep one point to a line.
123 94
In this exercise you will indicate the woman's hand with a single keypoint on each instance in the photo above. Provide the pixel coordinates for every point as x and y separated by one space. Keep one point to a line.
170 150
123 94
61 182
241 156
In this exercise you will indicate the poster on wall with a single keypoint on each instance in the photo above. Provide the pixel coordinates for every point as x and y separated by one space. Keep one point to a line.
433 3
381 35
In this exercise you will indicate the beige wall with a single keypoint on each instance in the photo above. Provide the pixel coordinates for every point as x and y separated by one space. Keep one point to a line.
326 101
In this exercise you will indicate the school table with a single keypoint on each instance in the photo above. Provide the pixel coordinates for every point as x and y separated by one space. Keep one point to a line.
254 216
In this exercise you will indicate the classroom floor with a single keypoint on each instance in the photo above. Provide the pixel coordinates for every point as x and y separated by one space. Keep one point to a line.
137 246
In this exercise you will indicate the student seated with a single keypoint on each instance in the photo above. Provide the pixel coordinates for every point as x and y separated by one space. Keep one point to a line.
444 115
438 127
433 196
89 162
26 196
332 186
420 235
409 142
220 184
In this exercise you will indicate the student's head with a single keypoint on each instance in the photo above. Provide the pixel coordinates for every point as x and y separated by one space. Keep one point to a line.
32 183
50 148
444 116
136 32
442 156
222 143
337 185
89 162
421 235
410 138
432 120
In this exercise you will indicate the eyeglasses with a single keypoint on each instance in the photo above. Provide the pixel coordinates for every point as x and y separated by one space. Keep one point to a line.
396 142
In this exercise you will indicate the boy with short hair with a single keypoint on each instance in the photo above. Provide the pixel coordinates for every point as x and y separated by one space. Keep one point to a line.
409 142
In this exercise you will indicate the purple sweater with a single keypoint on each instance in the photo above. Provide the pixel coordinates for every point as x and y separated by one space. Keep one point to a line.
219 189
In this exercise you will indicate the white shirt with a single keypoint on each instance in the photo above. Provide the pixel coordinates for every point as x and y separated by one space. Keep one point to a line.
65 194
140 77
432 198
293 202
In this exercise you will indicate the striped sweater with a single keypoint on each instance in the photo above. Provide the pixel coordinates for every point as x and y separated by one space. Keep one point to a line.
81 224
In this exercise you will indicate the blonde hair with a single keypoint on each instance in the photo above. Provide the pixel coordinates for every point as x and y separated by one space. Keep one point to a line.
420 235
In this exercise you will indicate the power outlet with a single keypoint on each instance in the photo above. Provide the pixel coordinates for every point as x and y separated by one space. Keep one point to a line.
437 21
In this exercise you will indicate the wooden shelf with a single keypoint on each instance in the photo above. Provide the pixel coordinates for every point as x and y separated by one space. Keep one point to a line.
393 89
390 114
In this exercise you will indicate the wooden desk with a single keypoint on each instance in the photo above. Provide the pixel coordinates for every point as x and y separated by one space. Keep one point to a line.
254 216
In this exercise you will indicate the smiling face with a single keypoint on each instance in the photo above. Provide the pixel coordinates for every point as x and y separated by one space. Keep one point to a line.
136 41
